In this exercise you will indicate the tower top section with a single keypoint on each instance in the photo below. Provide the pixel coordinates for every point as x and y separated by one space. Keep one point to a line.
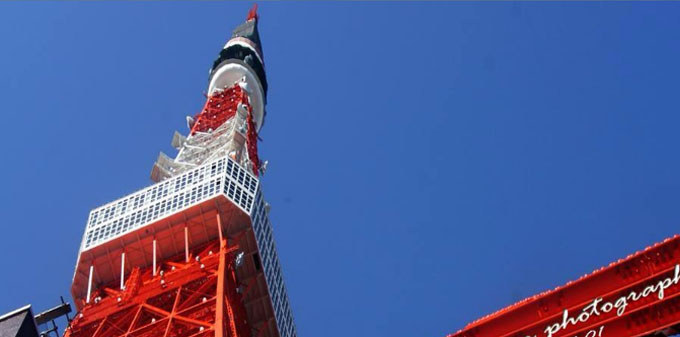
234 112
242 55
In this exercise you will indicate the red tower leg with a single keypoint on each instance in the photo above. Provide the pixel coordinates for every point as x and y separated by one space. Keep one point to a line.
195 298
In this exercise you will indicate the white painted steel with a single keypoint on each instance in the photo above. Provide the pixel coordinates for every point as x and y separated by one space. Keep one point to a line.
122 271
222 176
89 285
154 257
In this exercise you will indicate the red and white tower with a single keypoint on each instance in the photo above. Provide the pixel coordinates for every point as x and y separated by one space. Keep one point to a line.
192 254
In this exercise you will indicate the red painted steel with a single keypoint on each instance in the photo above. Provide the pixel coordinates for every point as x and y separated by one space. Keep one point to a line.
218 108
252 143
645 273
252 13
192 299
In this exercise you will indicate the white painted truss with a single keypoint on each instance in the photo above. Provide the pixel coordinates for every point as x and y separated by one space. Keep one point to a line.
228 140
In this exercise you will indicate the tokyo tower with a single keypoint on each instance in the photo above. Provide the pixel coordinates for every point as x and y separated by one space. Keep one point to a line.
193 254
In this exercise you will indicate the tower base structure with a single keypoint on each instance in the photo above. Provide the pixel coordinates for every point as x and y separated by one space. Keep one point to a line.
207 270
195 298
187 295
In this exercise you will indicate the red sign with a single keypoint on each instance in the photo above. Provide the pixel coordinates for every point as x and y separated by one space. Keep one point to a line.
635 296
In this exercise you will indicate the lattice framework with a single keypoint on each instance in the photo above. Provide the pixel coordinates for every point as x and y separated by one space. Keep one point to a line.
201 297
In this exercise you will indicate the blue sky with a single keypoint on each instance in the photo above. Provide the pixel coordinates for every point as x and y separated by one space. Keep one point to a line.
429 162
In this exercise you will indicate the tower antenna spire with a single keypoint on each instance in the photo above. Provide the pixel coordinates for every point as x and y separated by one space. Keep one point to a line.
252 13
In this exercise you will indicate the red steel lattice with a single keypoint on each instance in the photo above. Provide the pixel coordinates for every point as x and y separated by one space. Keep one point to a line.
220 107
189 299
